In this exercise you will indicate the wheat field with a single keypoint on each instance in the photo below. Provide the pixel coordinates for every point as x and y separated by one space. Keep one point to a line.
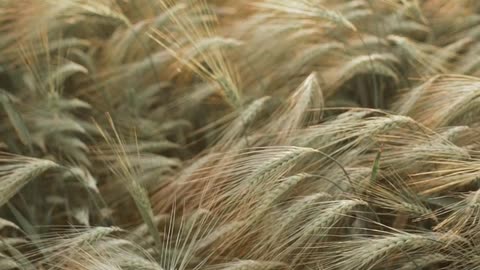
239 134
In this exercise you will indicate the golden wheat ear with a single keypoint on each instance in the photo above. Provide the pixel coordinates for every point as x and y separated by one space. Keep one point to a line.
304 108
462 216
128 176
95 248
308 10
395 195
206 56
17 171
322 226
389 249
457 95
380 64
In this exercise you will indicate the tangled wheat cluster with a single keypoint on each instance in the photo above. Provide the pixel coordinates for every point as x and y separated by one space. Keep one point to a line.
239 134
